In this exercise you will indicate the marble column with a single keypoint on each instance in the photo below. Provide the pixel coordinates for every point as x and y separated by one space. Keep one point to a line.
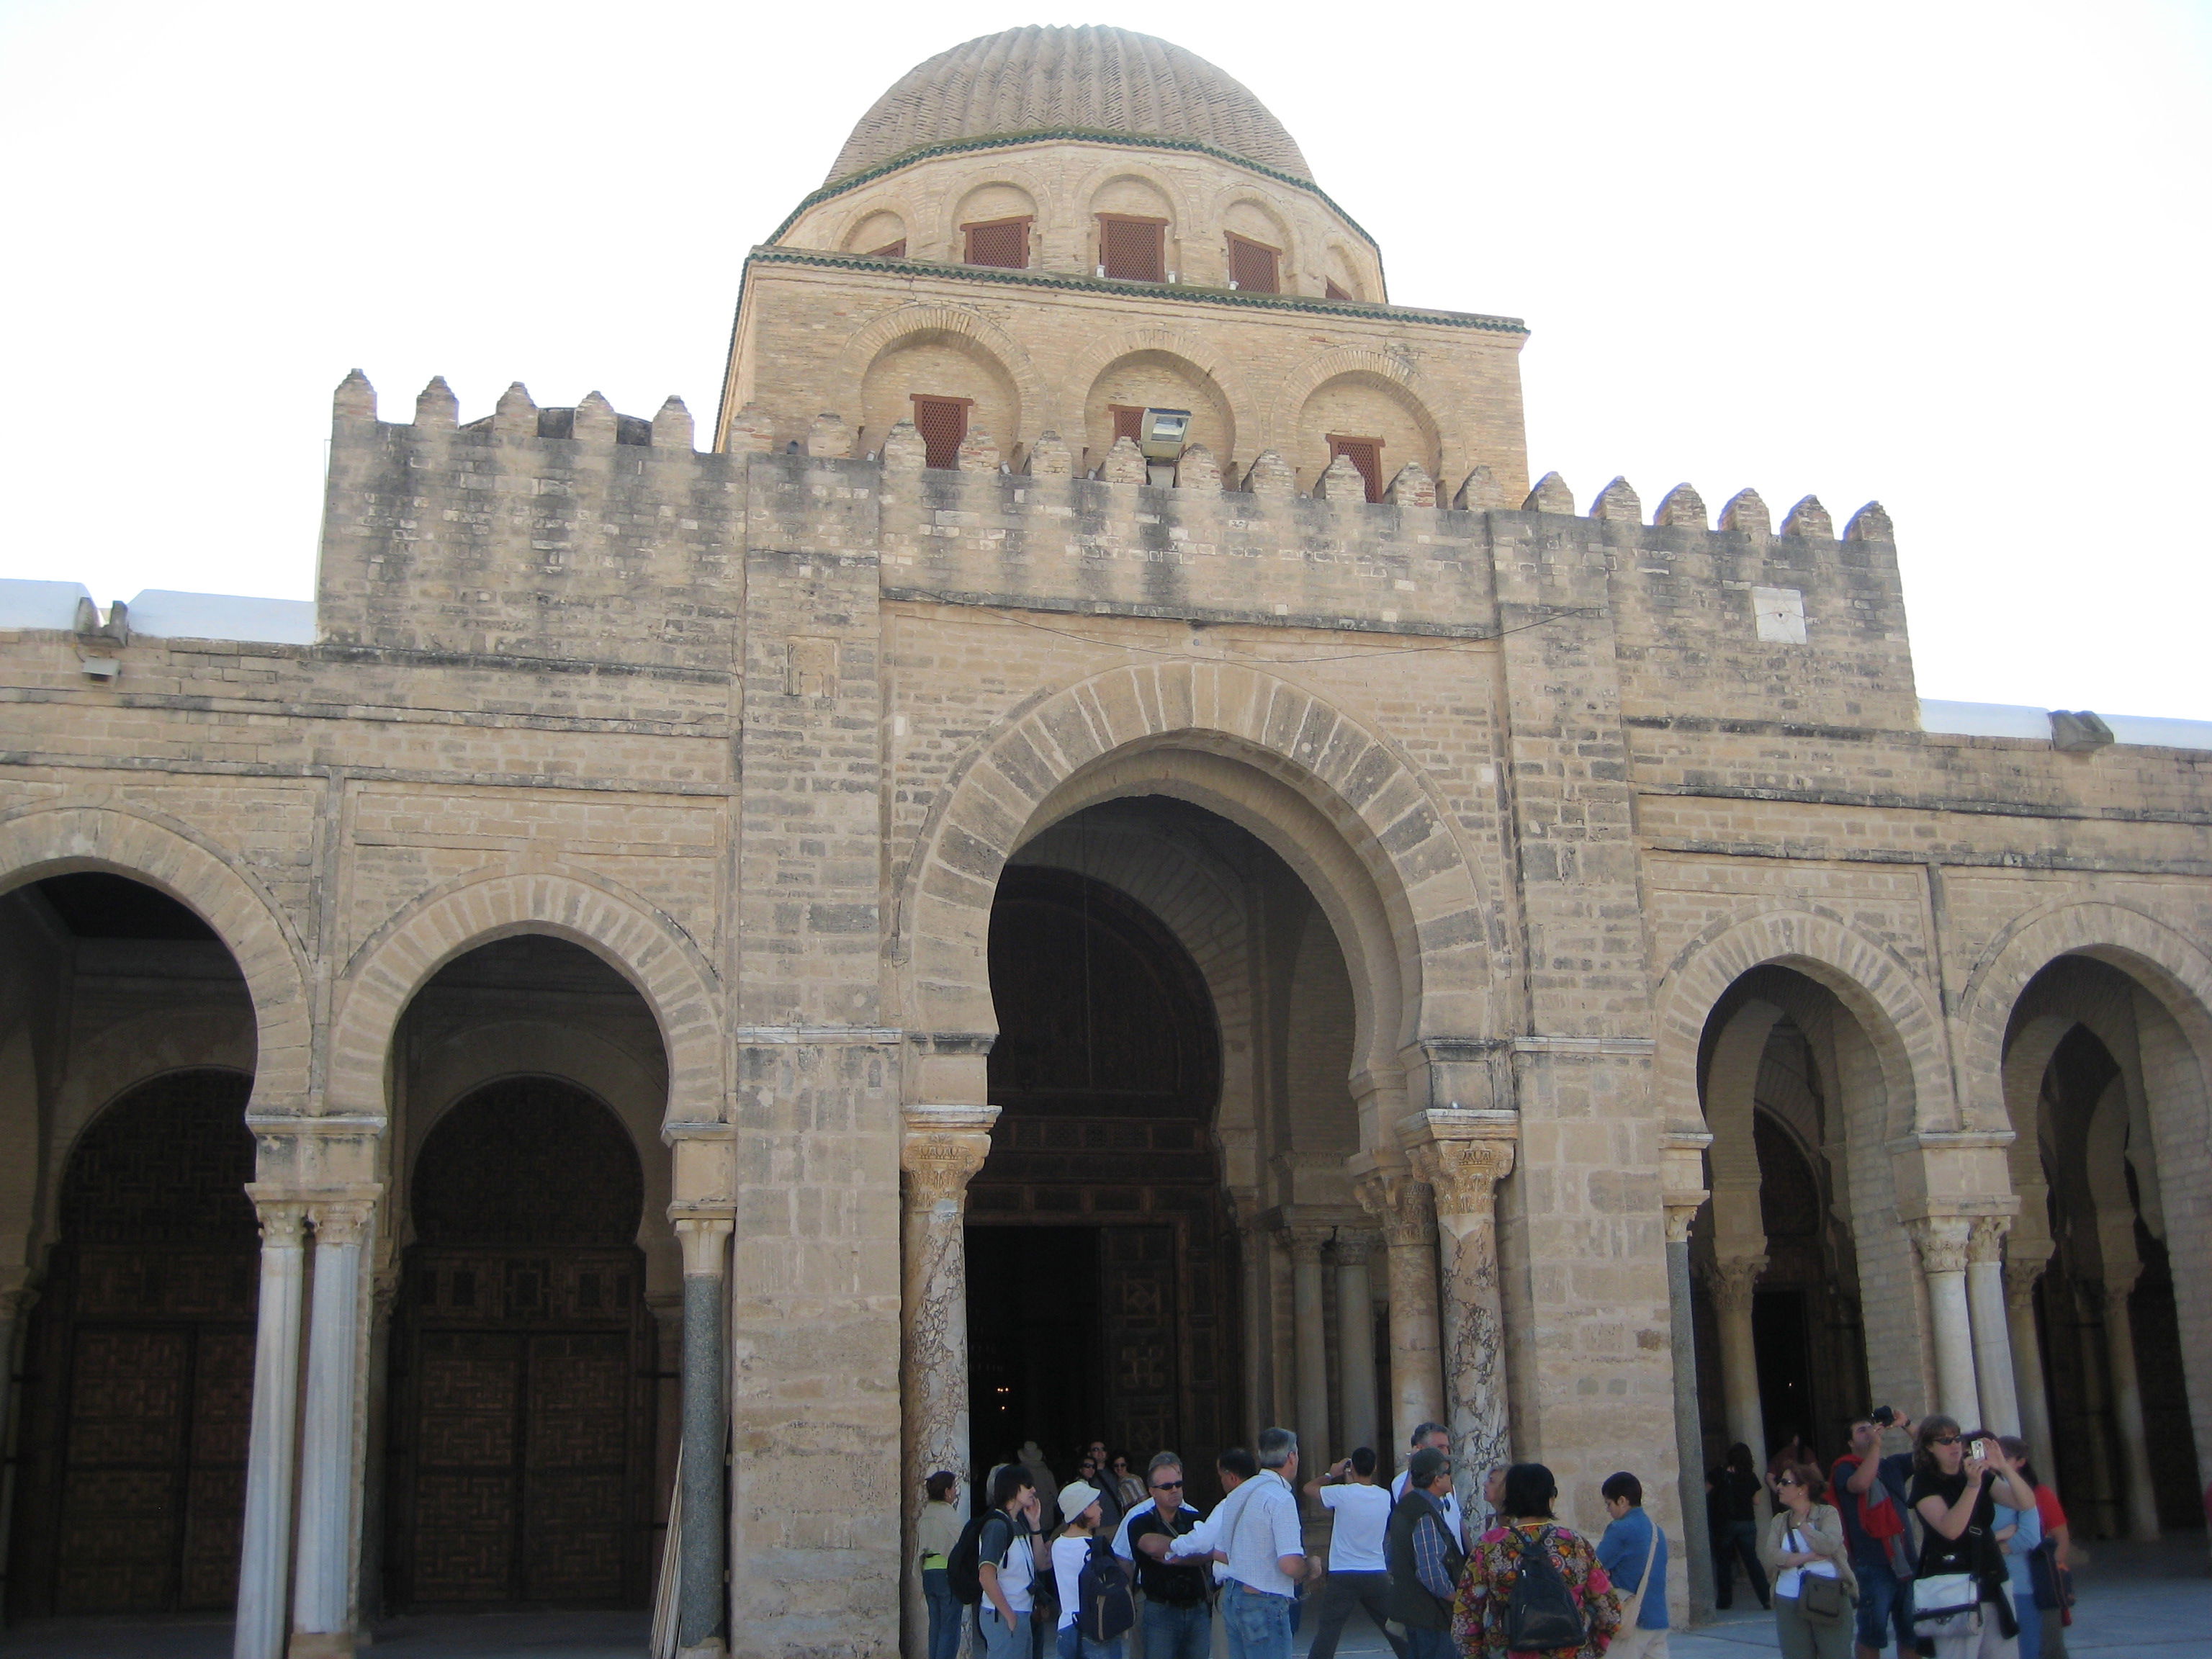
265 1555
1464 1173
1689 1433
2019 1277
1309 1342
2127 1405
943 1149
1942 1241
322 1574
1355 1343
1734 1279
701 1603
1402 1206
1985 1302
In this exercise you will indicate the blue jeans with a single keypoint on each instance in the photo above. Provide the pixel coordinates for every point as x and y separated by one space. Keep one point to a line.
944 1614
1429 1643
1173 1632
2030 1623
1073 1644
1734 1541
1259 1624
999 1639
1885 1614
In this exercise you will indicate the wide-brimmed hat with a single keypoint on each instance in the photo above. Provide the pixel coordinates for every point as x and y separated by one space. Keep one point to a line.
1076 1497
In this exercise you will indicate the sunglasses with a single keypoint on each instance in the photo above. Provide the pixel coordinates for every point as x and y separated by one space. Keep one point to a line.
1944 1440
1787 1480
1167 1485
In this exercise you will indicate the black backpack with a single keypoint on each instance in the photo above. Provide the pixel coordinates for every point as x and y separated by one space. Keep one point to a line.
1106 1608
960 1576
1541 1613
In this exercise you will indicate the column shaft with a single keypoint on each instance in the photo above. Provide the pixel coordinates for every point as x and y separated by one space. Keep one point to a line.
1465 1174
2027 1365
1734 1283
1689 1433
1310 1340
944 1148
2127 1412
323 1570
1402 1206
1942 1241
702 1600
1355 1342
264 1557
1985 1300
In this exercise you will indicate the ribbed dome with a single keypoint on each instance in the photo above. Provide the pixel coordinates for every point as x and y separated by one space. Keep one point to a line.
1090 78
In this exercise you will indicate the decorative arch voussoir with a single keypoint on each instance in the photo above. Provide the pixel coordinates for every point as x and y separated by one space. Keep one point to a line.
642 942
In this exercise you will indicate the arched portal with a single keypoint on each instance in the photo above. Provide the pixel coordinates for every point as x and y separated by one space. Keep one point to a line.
520 1457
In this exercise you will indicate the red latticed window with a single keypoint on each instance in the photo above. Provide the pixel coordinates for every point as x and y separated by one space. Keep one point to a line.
1366 454
1004 242
1254 266
1133 250
890 250
943 423
1331 291
1128 422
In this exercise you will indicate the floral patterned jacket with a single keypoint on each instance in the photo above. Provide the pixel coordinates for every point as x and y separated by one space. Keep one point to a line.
1478 1608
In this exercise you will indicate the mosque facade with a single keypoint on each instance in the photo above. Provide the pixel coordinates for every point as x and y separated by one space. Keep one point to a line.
1091 858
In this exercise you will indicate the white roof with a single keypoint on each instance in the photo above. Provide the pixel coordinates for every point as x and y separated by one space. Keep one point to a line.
2005 720
166 614
26 603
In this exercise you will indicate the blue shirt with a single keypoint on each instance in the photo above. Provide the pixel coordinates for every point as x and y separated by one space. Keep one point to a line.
1620 1552
2019 1546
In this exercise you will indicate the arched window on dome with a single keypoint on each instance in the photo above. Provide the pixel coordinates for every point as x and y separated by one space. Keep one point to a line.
880 235
1136 230
996 221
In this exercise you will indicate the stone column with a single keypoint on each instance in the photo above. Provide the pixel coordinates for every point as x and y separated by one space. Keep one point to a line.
2127 1404
1689 1433
1310 1341
943 1149
1402 1206
1464 1173
266 1557
1355 1342
1733 1282
1942 1241
702 1551
2019 1277
1985 1300
322 1620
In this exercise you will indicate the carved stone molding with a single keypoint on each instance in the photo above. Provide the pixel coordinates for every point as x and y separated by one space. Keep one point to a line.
1985 1240
1353 1249
284 1222
1306 1244
2020 1277
1402 1204
1734 1277
342 1221
1682 1213
703 1240
944 1148
1942 1241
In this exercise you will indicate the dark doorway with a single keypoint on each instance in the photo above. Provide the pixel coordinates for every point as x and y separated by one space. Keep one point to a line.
522 1378
1100 1208
1785 1371
138 1378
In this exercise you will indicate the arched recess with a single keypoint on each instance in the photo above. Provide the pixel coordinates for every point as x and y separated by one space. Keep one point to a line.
976 334
1391 376
1347 813
1199 356
1155 378
643 945
37 842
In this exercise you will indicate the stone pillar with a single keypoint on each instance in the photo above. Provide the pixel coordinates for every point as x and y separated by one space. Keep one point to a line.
1942 1241
322 1577
703 1550
2034 1397
2127 1405
1310 1341
1733 1283
271 1448
1463 1171
943 1149
1402 1204
1355 1342
1689 1433
1985 1300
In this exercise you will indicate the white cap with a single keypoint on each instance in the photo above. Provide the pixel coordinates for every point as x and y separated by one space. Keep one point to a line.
1076 1497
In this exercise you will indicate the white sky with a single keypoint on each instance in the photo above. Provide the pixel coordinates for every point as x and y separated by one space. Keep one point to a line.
1951 256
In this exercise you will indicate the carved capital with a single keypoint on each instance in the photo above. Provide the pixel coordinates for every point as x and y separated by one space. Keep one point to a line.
943 1147
2019 1278
1985 1240
704 1238
284 1223
1464 1173
1305 1244
1401 1204
1354 1248
342 1221
1942 1241
1732 1281
14 1304
1682 1213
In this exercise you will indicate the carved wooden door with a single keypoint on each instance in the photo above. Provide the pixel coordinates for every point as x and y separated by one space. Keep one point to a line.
1143 1379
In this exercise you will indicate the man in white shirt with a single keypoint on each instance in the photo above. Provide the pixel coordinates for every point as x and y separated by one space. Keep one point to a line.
1358 1575
1256 1537
1433 1436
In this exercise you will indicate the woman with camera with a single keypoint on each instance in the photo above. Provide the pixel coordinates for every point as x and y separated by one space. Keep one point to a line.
1962 1597
1804 1547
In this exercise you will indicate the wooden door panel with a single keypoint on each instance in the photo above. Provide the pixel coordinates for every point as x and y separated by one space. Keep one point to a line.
575 1535
464 1543
215 1491
1139 1302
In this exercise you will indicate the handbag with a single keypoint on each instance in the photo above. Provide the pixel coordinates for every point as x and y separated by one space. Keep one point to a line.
1945 1603
1820 1600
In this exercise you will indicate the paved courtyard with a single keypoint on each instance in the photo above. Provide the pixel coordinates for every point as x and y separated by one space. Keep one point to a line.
2147 1599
